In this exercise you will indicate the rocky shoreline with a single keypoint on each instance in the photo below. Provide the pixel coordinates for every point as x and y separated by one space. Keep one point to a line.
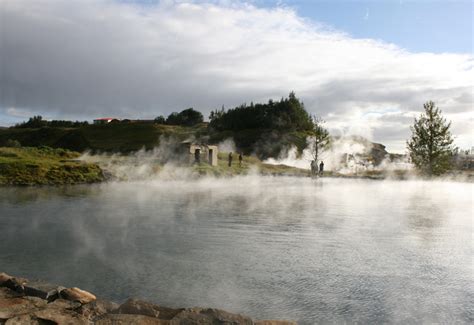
40 303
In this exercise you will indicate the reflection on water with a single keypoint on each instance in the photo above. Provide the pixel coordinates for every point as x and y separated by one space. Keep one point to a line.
325 251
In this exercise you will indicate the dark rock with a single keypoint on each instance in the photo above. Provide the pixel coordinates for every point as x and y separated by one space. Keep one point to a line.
41 290
97 308
193 316
15 284
76 294
138 307
125 319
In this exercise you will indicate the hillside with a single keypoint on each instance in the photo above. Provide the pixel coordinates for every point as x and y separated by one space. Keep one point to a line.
119 137
45 166
129 137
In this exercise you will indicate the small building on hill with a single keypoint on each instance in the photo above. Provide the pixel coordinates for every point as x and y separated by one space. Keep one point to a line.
198 153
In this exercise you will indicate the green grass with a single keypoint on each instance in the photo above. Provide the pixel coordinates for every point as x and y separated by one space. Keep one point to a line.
45 166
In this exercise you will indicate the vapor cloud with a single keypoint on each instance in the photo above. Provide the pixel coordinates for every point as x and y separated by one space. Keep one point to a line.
89 58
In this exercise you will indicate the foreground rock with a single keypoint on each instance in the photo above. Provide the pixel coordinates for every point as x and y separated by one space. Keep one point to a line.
36 302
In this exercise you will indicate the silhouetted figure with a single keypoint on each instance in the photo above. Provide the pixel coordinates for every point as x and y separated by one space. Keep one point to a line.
321 168
314 167
240 159
230 159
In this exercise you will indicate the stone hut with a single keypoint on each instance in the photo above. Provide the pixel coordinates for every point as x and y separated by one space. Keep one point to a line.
201 153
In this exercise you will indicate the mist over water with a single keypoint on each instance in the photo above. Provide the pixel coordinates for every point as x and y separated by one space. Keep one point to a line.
326 250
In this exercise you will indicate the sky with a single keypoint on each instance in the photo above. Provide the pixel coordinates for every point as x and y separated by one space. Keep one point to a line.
365 67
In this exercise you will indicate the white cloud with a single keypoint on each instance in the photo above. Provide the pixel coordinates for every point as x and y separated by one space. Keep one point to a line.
99 57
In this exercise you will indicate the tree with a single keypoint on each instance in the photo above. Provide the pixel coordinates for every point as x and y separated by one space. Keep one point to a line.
160 120
188 117
288 114
431 145
34 122
320 137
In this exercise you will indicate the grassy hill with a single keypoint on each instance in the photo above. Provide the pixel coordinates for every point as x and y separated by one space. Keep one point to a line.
119 137
45 166
129 137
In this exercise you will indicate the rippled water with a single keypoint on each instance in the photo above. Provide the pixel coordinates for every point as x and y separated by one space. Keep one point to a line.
293 248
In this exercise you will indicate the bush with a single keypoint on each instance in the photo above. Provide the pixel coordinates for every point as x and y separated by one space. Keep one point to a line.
12 143
160 120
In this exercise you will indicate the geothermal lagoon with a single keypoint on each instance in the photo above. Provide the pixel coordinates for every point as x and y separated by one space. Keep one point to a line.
315 251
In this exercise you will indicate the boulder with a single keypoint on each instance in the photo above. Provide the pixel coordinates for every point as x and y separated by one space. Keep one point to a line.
76 294
97 308
15 284
125 319
41 290
138 307
60 316
209 316
4 277
11 307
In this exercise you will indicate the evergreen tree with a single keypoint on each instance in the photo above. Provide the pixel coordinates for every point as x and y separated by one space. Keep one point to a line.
431 144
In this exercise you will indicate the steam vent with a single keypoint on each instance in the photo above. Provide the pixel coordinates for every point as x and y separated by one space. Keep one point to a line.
36 302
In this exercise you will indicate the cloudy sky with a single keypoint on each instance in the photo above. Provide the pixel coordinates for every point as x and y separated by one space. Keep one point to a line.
365 67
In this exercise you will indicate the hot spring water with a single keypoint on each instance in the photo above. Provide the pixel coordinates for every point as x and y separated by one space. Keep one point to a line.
330 250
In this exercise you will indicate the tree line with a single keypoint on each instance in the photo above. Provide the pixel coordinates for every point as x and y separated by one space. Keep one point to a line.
288 114
37 122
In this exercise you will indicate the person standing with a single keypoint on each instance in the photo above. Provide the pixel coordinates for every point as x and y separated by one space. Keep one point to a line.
313 167
321 168
240 159
230 159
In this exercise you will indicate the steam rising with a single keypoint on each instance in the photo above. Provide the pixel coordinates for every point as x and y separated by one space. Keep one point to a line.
325 251
228 145
347 155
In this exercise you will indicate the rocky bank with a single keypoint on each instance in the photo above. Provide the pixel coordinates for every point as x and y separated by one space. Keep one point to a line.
36 302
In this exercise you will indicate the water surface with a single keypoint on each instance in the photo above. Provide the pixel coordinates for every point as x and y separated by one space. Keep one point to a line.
292 248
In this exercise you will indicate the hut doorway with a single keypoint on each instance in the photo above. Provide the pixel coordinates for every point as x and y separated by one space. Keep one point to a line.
197 156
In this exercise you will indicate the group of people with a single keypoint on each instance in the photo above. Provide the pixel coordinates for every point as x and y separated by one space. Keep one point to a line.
241 158
314 168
